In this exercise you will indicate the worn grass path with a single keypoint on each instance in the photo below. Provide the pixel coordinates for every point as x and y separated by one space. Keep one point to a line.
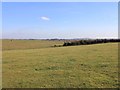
87 66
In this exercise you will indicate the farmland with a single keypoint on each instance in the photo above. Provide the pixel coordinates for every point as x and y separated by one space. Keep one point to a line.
36 64
28 44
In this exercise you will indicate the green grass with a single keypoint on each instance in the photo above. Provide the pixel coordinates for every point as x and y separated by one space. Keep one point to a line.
28 44
87 66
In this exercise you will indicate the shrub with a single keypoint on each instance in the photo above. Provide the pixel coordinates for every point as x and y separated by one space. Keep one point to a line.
87 42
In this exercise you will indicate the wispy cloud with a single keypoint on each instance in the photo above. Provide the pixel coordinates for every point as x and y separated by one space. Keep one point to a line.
45 18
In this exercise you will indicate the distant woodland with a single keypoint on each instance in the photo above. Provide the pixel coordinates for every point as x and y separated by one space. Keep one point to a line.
90 41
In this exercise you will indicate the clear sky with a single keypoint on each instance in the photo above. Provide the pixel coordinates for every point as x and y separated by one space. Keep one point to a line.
59 20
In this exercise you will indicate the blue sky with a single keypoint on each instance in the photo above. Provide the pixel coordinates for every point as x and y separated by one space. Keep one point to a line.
59 20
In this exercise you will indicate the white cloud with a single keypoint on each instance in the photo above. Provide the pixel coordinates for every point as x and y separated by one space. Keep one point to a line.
45 18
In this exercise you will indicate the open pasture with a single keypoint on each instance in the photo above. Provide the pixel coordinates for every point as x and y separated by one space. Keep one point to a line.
86 66
14 44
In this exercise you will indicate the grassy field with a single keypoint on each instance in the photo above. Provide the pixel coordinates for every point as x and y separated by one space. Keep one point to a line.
28 44
86 66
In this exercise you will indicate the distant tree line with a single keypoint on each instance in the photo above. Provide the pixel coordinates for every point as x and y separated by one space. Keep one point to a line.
90 41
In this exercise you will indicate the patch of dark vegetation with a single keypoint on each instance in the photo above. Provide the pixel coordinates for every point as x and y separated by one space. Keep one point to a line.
52 68
48 68
57 45
90 41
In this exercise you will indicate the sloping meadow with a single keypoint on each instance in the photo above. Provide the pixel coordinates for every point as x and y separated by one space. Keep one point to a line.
91 66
